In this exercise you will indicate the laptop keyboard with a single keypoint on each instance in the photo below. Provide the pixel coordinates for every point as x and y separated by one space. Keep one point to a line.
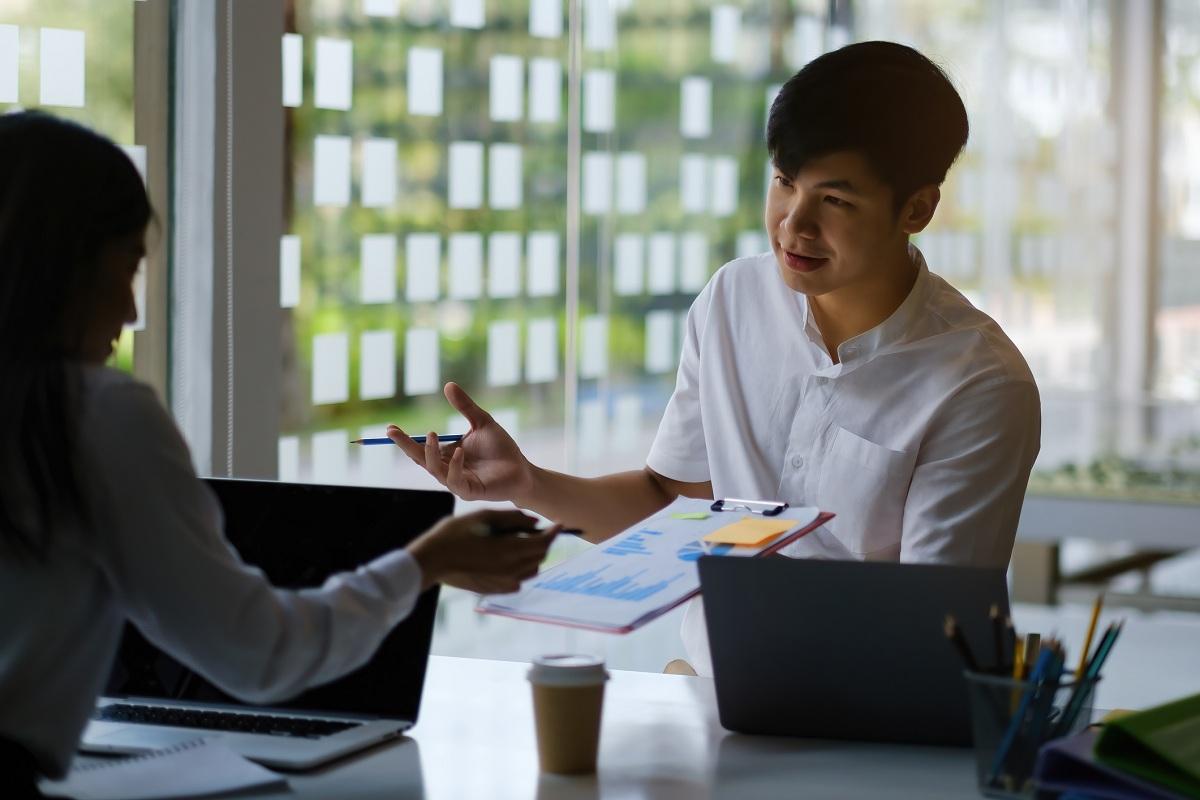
222 720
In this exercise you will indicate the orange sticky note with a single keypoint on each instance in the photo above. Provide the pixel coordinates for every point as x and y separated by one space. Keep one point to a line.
749 531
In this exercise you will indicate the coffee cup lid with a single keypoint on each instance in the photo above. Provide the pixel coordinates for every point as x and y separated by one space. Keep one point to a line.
567 669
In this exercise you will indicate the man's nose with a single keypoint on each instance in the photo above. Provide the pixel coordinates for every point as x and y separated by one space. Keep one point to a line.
801 219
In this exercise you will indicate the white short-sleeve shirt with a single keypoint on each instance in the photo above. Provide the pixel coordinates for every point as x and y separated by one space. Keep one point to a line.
920 440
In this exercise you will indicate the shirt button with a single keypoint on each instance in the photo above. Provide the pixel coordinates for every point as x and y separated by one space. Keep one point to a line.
797 462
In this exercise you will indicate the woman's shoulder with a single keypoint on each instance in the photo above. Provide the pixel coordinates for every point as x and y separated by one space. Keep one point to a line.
116 401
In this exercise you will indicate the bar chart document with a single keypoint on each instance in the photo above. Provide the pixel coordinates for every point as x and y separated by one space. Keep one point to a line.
650 568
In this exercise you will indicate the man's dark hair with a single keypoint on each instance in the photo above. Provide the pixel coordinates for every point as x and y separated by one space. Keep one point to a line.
882 100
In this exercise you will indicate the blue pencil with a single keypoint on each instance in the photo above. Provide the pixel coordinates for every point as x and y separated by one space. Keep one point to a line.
446 437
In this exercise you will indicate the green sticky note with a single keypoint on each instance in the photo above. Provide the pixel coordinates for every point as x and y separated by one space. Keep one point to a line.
691 515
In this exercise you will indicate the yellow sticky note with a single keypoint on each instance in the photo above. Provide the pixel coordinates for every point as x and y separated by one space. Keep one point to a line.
749 531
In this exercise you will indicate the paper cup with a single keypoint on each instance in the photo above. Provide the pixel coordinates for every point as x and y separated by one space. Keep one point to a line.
568 695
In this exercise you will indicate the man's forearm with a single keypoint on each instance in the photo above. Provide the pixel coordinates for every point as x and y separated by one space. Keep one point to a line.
601 506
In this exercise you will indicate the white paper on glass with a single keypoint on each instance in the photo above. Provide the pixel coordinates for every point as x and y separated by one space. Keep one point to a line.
61 62
422 267
421 361
839 37
381 8
693 262
466 266
693 183
506 83
599 25
661 278
504 264
751 243
10 62
330 453
377 463
593 357
599 100
377 365
660 341
631 183
545 90
808 40
545 18
541 350
695 109
288 451
509 419
293 69
379 172
466 174
466 13
627 423
724 186
424 82
503 354
627 264
289 271
542 257
331 168
330 368
726 33
334 69
505 190
597 182
593 429
377 268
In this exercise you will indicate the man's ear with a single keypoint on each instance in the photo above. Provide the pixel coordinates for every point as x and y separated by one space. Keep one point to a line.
918 210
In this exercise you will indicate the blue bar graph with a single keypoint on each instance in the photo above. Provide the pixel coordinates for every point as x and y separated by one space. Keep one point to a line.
634 544
591 583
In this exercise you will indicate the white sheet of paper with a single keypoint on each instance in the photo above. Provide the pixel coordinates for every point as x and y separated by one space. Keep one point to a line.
597 182
545 18
599 25
421 361
504 264
10 63
62 71
330 456
631 183
542 257
661 278
377 268
377 463
503 353
381 8
593 359
545 90
505 177
424 82
695 109
289 271
331 168
330 368
506 84
422 267
726 33
808 40
626 424
293 69
593 429
288 451
467 13
466 266
334 69
693 183
724 186
627 264
379 172
660 341
693 261
541 350
466 174
377 365
751 243
599 100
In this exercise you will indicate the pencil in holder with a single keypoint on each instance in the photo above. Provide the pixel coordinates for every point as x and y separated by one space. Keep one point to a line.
1010 721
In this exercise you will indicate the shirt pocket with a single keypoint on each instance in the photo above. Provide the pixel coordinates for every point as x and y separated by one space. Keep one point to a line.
866 485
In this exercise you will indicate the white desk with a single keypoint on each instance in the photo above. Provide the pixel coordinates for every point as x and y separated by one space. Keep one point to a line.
660 739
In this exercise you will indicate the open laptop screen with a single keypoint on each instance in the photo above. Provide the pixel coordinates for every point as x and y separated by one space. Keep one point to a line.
299 535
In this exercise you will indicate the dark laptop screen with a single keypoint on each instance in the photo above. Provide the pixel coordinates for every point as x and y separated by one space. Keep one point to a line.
299 535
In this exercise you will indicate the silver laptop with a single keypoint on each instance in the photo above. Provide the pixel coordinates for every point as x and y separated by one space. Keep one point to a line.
298 535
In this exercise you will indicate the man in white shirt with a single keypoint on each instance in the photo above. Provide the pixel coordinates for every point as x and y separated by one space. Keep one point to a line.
834 371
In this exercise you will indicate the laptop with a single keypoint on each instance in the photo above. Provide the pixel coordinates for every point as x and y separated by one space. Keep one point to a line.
846 649
298 535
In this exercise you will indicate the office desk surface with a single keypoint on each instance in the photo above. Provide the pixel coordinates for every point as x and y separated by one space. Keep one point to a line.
660 739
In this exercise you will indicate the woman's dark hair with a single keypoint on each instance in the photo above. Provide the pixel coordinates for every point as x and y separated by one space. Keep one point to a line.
65 192
882 100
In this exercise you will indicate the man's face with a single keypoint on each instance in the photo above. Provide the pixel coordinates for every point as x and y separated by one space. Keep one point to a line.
833 225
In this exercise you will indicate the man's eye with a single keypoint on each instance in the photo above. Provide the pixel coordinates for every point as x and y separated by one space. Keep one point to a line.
836 202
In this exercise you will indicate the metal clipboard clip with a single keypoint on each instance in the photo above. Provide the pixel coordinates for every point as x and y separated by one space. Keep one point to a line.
767 508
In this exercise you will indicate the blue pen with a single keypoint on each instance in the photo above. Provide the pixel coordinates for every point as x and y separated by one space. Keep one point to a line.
1010 735
445 437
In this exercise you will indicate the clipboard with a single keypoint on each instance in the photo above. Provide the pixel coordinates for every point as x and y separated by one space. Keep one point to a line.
648 569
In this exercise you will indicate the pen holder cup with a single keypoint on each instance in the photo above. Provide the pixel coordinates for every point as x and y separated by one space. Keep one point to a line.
1010 721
